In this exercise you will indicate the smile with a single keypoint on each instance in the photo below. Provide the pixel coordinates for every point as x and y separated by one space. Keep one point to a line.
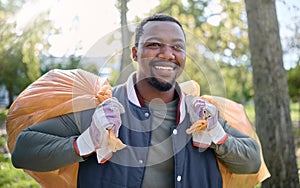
164 68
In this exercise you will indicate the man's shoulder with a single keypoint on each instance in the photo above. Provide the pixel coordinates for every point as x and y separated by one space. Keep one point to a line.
119 91
118 88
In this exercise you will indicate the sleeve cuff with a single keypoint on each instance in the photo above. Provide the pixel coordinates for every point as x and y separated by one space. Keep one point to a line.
83 148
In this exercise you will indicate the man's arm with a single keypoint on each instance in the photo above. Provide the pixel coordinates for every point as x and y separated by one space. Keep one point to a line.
49 145
240 153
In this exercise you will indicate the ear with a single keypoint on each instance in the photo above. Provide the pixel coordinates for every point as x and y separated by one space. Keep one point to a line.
134 53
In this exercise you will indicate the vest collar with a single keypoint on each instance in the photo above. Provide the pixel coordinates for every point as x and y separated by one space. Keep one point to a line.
133 98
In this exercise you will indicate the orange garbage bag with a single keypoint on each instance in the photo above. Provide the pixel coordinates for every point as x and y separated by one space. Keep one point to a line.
236 116
56 93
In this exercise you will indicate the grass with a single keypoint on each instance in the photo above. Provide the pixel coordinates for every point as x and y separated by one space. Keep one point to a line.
249 108
9 175
295 112
12 177
294 108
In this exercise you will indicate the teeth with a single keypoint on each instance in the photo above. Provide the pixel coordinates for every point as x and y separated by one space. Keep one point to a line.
164 68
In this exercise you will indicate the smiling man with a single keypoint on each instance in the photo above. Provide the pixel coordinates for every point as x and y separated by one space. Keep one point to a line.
160 51
151 115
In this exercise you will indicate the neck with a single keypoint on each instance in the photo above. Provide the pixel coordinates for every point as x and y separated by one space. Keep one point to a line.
149 93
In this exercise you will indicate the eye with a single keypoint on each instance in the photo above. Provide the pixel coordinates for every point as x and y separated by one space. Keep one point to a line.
153 45
178 47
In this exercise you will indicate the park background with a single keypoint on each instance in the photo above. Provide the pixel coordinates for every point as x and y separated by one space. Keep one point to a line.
38 36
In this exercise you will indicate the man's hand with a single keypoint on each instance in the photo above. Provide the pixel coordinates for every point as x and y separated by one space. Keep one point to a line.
206 128
101 135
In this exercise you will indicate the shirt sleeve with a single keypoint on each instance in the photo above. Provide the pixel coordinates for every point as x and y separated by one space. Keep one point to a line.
48 145
240 153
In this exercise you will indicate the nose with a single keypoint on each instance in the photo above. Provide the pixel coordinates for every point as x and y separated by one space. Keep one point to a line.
166 52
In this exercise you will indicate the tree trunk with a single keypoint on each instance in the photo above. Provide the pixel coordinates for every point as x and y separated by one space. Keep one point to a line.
273 121
126 63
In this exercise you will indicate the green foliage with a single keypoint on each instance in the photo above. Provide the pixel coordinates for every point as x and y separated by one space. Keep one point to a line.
294 90
238 82
20 48
71 62
228 37
294 106
3 113
294 82
258 185
218 52
9 175
295 109
250 111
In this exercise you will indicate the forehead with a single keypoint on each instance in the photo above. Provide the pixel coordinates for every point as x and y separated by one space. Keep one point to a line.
162 30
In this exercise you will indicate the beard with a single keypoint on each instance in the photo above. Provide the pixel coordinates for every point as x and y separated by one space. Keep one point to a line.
161 86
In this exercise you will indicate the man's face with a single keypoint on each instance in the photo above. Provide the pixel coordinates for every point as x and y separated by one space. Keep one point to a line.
161 54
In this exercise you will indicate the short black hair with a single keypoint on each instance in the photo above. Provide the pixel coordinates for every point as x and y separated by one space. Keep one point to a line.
157 17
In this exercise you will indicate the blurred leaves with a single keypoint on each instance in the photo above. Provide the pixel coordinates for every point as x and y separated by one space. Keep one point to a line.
20 47
218 49
216 33
294 83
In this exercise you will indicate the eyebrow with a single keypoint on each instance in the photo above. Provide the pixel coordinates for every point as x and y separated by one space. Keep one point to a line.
160 39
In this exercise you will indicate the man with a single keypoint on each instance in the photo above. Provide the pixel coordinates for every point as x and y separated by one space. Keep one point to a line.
153 117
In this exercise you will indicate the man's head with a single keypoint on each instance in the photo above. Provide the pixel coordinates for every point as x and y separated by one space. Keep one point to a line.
157 17
160 51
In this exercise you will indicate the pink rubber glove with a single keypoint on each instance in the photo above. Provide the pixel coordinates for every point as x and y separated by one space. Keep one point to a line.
107 117
205 129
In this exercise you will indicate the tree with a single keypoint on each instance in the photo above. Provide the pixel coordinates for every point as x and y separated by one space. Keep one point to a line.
69 62
126 63
19 48
271 97
225 38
